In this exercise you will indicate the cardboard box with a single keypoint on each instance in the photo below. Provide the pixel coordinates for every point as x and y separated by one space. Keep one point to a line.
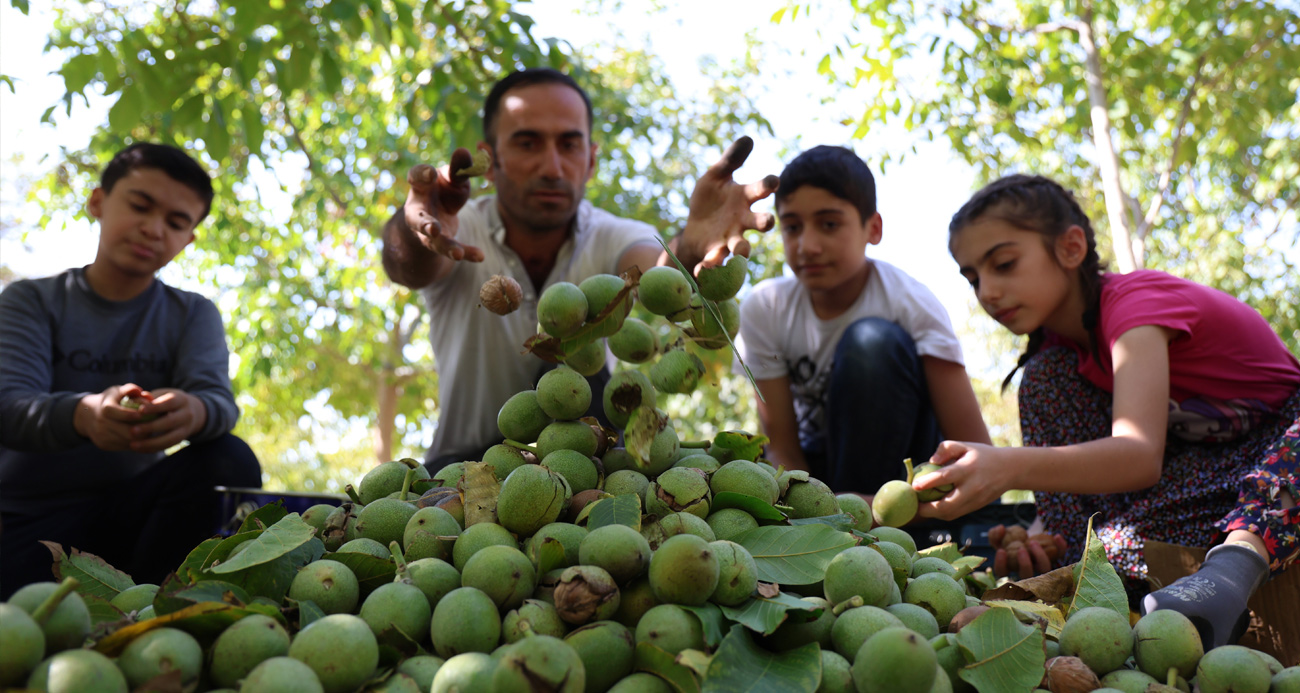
1275 607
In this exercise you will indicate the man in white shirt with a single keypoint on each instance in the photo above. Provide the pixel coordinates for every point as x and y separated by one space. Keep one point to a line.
539 230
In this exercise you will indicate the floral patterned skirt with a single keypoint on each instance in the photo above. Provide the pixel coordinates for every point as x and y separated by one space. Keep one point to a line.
1205 489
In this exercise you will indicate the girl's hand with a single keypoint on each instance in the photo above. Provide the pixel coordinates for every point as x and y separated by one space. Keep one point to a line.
979 473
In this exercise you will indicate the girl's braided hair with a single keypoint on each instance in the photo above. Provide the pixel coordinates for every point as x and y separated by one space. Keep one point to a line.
1035 203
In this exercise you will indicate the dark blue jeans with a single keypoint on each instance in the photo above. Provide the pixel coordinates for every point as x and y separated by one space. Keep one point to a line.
877 409
144 526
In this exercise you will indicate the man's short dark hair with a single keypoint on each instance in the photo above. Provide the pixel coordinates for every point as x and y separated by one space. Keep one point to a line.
838 171
524 78
178 165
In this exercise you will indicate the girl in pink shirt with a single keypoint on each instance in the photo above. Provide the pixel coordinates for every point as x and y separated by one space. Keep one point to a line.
1170 409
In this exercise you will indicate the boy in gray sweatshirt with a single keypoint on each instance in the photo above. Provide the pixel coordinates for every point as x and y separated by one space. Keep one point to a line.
76 466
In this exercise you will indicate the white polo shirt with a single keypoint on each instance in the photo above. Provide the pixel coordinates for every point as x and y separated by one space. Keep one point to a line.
478 353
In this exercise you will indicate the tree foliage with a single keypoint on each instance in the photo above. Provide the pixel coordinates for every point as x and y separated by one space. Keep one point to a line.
308 116
1177 123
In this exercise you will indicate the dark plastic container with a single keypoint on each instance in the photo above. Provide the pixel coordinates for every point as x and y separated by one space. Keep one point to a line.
237 503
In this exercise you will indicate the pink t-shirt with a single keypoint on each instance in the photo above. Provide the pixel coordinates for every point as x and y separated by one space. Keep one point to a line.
1227 368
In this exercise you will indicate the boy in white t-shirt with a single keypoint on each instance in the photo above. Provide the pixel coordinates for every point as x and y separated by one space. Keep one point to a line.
856 361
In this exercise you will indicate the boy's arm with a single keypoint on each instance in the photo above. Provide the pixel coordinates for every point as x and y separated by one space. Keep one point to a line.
32 418
955 406
776 413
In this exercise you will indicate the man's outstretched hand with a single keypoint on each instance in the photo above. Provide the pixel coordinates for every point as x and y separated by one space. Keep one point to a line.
435 196
720 211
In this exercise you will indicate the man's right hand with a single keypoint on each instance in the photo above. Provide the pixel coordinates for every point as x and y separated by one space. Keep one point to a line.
102 419
434 199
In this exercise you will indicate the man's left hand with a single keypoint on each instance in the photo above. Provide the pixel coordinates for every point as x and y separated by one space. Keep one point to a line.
180 415
720 211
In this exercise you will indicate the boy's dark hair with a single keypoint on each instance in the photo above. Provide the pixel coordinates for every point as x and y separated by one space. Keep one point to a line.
838 171
524 78
1041 205
178 165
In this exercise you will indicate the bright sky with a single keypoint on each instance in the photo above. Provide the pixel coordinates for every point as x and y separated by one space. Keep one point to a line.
916 198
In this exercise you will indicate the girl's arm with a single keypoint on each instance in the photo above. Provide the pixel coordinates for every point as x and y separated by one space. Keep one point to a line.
776 413
953 400
1129 460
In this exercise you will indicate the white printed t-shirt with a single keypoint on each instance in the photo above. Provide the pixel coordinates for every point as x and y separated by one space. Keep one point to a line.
478 353
780 335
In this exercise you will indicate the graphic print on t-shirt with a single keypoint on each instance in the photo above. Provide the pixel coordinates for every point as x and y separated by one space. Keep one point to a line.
1210 420
809 390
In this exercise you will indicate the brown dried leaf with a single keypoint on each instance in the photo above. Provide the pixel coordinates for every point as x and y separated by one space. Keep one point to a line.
1049 588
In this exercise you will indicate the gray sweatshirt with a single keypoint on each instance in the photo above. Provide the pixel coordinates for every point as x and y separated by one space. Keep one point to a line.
60 341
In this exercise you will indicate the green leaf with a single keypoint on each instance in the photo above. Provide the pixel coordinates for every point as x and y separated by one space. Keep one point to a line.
124 116
663 664
279 540
217 139
264 516
644 424
214 591
842 522
254 128
79 71
96 577
189 113
308 611
761 510
619 510
795 555
739 444
948 551
1003 654
331 76
1051 617
550 555
100 610
272 580
1095 581
765 614
21 5
209 552
371 571
710 616
740 665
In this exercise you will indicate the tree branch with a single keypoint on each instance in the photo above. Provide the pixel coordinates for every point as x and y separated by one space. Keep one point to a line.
983 25
311 160
1166 176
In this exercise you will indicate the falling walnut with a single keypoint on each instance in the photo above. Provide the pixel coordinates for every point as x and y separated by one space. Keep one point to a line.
501 295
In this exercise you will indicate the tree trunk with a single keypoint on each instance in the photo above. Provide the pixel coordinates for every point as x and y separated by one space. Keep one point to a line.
389 385
1129 254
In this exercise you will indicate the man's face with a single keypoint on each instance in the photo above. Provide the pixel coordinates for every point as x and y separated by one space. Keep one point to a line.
542 156
145 221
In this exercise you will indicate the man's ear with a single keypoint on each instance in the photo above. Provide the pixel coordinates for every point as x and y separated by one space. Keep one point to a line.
491 173
95 205
875 229
1072 247
591 162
